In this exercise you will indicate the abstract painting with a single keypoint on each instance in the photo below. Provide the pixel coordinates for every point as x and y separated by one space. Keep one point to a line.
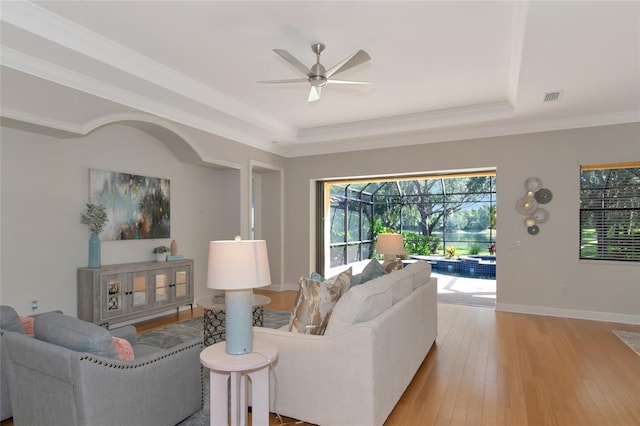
137 206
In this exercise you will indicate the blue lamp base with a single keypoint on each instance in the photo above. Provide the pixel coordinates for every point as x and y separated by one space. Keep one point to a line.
239 318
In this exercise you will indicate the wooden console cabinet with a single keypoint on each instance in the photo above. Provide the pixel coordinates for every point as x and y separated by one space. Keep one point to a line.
118 293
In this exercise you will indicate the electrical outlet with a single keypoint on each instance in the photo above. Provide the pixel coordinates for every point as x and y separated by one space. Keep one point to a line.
34 305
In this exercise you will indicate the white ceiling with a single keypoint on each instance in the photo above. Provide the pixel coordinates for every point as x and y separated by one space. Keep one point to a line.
440 70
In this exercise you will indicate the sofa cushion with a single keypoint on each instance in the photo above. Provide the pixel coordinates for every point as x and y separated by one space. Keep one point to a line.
315 301
423 273
403 286
361 304
10 320
74 334
365 302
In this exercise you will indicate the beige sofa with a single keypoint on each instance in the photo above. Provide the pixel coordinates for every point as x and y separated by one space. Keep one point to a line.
378 335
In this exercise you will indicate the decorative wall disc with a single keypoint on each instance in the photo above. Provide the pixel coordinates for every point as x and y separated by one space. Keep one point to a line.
532 184
541 215
526 205
543 196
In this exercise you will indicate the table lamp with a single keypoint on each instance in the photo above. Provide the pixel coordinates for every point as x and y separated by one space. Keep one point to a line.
390 245
237 267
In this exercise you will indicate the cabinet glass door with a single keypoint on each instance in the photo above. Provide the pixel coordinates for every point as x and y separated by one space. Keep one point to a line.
181 280
112 291
161 286
181 284
139 290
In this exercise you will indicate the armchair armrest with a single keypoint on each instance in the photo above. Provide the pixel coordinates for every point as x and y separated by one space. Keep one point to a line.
80 388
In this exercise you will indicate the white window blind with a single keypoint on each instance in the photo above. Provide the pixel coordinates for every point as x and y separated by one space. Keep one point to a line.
610 212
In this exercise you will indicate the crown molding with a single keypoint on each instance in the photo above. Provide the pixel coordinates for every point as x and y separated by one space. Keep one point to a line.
77 81
458 134
408 122
41 22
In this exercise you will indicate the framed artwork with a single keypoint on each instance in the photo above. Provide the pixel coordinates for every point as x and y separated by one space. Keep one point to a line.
138 207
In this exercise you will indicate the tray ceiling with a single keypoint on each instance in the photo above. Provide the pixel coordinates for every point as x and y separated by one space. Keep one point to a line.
440 70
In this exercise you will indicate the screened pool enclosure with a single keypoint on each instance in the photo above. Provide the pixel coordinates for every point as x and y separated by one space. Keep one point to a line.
447 215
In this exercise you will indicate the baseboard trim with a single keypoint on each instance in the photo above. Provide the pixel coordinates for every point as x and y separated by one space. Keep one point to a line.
569 313
282 287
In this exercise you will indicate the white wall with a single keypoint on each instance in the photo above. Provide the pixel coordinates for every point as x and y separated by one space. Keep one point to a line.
529 278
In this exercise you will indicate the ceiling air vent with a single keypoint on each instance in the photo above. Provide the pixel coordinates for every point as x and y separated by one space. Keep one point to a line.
552 96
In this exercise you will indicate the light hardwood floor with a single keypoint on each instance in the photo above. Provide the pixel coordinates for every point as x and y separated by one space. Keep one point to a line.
498 368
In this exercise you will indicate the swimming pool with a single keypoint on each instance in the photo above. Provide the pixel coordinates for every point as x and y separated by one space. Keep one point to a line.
473 266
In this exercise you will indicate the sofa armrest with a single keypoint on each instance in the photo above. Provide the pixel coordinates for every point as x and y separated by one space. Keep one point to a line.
311 367
128 332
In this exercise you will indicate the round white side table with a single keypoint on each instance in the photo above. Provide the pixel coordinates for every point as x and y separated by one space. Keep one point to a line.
223 366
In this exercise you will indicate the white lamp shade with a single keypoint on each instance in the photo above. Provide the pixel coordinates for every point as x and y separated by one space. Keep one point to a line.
239 264
390 244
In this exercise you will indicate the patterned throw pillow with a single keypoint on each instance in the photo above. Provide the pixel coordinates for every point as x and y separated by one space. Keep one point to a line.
315 302
392 265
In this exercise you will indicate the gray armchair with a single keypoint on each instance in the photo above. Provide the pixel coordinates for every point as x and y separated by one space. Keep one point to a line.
69 374
9 321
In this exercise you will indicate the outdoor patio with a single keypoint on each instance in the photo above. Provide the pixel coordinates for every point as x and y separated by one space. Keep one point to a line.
466 291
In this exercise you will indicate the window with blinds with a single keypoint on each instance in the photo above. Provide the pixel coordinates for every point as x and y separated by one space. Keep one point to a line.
610 212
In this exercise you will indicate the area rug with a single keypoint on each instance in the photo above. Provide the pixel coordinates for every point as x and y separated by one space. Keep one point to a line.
630 338
174 334
171 335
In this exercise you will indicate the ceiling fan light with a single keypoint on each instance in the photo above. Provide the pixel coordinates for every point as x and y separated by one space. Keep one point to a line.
317 81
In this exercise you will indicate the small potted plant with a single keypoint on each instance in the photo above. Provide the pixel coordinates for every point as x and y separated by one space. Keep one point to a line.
94 215
161 253
451 252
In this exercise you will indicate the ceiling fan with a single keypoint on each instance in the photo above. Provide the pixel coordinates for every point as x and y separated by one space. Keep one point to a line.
317 75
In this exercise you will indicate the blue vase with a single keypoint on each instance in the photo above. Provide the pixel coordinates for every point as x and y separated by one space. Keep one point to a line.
94 251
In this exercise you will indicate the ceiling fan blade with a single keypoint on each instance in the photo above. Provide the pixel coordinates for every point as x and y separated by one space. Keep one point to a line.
293 61
347 82
293 80
314 93
356 59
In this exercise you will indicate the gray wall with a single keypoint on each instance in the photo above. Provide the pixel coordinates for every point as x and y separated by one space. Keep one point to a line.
529 278
44 184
